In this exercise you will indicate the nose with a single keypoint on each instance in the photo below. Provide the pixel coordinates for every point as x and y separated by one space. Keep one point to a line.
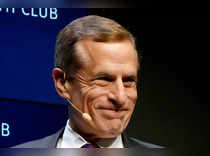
118 94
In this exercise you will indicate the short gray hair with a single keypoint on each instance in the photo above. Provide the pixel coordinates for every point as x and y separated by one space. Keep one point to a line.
100 29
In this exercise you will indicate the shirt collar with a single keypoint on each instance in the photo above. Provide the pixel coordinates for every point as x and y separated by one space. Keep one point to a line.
72 139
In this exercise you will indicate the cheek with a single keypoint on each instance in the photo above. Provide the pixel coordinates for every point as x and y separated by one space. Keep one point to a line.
132 98
93 96
132 94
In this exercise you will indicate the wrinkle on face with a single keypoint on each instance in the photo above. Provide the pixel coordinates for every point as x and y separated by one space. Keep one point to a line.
100 97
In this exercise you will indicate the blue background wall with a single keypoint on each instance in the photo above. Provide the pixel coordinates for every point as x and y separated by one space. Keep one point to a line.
27 94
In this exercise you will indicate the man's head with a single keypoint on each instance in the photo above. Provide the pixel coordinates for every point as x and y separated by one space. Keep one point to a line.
96 67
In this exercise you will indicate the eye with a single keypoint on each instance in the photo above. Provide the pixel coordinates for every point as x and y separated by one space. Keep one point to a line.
104 78
129 79
103 81
129 82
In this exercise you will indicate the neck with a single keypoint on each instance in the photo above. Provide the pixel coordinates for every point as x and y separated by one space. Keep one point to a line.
91 138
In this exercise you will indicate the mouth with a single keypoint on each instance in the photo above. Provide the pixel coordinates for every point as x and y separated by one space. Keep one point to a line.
112 113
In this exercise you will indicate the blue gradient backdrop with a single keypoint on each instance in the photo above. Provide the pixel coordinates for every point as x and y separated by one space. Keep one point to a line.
28 100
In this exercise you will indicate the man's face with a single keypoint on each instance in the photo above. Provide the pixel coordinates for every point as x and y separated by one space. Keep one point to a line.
104 87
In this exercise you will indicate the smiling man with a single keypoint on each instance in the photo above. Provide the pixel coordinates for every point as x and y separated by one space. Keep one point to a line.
96 66
103 87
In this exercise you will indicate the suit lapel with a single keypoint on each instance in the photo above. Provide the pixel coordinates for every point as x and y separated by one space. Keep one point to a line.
126 141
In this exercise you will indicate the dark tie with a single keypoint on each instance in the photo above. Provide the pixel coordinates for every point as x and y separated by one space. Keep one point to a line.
90 146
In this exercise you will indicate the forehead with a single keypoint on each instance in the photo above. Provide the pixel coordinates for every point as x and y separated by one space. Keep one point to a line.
101 56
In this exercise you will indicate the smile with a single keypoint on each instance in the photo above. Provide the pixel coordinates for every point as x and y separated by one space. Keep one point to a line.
113 113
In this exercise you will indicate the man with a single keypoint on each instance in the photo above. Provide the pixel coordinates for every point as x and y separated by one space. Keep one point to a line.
96 65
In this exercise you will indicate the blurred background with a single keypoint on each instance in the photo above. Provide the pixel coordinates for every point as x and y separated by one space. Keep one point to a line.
79 3
172 109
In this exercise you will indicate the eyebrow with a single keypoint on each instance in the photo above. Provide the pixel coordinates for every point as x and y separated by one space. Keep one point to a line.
132 75
102 73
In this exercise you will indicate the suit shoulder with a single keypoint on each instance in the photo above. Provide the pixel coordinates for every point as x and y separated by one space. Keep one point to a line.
40 143
46 142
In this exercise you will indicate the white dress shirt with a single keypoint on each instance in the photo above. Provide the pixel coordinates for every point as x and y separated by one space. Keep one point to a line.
72 139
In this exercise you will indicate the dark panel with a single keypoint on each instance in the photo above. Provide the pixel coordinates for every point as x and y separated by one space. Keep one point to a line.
173 110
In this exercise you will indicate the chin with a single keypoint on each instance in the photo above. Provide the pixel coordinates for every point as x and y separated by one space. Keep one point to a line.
114 129
107 136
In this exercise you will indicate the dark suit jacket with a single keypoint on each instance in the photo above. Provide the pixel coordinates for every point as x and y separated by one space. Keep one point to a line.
51 141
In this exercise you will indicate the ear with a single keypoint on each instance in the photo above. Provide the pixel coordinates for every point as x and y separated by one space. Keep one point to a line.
62 86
